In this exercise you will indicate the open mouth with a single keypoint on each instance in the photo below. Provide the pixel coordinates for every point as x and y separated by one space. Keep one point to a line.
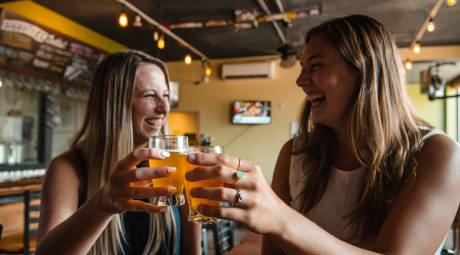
316 99
154 122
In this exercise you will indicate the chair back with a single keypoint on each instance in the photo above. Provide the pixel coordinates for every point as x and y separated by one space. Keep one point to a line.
31 218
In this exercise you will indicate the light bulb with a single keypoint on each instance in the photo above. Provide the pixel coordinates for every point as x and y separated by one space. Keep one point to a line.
451 2
417 48
207 71
161 42
430 27
188 59
137 21
123 19
155 36
408 64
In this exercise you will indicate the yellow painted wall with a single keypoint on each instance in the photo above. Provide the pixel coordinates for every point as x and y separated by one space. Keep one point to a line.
431 111
259 143
181 123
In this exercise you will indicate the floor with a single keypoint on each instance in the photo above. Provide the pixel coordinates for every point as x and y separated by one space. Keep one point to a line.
246 243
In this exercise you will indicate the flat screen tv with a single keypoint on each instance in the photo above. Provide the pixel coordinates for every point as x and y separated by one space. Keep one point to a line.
251 112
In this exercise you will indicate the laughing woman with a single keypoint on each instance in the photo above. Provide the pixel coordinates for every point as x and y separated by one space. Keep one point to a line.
364 176
92 200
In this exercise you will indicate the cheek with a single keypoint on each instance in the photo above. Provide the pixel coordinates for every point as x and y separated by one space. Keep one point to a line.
140 110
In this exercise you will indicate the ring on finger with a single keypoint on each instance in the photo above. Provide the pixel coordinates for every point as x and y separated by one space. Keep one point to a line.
239 197
237 175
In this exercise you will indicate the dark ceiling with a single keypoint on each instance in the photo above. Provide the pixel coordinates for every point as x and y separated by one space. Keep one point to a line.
402 17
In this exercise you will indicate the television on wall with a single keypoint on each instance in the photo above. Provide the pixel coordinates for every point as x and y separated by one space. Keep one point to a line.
251 112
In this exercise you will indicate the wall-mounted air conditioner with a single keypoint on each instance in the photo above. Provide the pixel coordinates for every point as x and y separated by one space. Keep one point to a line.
249 70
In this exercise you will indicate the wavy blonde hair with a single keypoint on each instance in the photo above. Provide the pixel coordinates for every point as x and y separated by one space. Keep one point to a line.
382 126
107 136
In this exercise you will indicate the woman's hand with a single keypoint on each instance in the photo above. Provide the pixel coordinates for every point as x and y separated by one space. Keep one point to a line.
121 192
260 208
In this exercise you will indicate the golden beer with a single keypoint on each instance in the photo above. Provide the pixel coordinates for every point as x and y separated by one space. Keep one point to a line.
176 146
194 215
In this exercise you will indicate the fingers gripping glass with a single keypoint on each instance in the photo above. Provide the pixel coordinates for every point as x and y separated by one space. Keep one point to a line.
176 146
194 214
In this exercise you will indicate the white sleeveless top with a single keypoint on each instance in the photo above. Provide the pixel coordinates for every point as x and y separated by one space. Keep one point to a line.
338 200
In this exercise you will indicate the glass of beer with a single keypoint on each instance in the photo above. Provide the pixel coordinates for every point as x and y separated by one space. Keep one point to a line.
194 215
177 147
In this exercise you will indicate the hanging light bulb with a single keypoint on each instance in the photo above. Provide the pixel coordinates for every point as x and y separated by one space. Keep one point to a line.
137 21
188 59
408 64
161 42
155 35
123 19
451 2
417 47
207 69
430 27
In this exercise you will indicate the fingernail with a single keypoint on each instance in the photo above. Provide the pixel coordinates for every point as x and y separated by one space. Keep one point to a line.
192 157
164 154
171 170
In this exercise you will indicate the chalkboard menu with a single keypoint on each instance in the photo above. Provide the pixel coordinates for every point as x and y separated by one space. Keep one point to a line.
27 47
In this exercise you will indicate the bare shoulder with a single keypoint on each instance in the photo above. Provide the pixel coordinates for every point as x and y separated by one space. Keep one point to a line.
60 191
439 160
280 181
65 166
425 207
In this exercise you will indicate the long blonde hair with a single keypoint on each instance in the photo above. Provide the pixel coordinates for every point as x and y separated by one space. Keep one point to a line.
107 136
382 126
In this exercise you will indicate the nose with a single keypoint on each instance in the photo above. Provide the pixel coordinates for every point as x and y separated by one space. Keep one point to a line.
162 105
304 78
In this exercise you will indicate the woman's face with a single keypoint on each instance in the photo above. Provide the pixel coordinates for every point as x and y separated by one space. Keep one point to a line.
150 102
328 81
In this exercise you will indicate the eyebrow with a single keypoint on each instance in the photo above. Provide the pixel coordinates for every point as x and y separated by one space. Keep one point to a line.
314 57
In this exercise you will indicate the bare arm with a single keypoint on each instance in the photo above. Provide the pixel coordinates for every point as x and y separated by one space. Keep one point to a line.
60 218
191 234
280 185
59 212
417 222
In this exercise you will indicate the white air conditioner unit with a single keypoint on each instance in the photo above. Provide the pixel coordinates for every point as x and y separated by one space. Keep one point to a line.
249 70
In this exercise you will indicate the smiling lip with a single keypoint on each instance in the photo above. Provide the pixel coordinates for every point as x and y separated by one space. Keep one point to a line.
154 123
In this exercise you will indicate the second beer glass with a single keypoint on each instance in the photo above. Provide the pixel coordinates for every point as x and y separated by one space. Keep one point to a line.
194 215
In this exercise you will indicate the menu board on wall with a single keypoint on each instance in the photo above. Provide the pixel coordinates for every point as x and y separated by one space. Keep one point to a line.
31 47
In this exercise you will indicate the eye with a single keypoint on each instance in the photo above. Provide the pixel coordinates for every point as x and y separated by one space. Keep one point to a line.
166 95
151 94
315 66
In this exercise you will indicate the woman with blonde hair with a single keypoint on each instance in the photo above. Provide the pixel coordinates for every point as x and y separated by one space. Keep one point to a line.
364 176
94 199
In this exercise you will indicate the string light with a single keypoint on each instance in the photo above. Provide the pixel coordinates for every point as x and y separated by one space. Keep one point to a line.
161 42
207 69
137 21
123 19
417 48
188 59
451 2
430 27
408 64
155 35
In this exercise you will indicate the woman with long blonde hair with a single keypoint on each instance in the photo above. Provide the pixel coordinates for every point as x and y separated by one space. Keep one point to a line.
364 176
94 199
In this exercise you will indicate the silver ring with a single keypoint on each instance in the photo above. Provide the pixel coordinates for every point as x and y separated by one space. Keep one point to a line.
239 197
